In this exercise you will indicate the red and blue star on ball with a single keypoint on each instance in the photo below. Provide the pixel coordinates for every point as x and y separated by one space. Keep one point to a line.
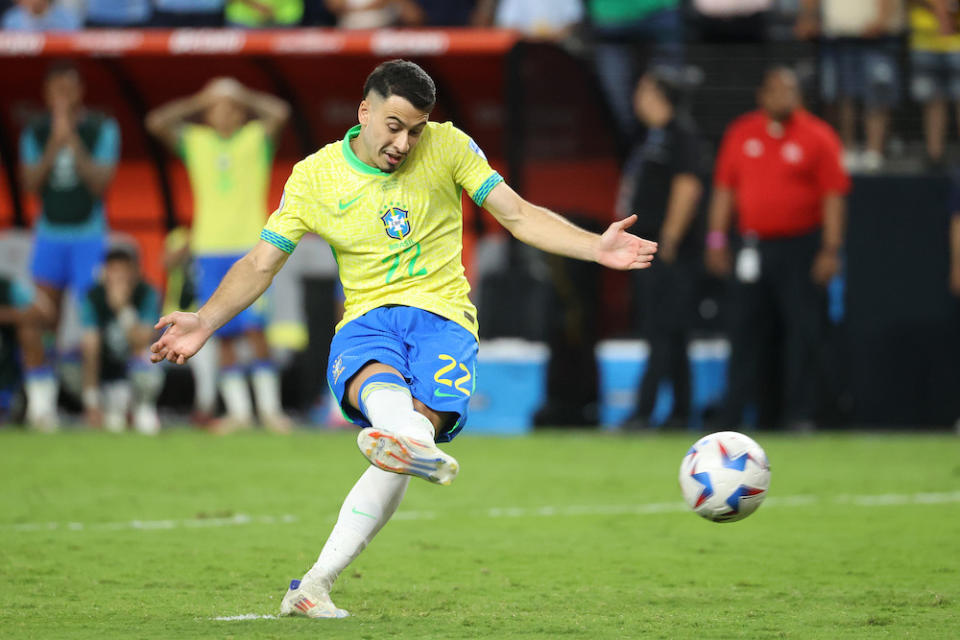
738 463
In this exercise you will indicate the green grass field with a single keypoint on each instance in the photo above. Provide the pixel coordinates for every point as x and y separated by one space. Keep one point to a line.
551 536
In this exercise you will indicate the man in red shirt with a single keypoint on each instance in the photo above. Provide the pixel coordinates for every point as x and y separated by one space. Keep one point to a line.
780 169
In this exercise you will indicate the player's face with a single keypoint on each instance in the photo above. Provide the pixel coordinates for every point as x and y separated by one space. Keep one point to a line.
780 95
225 115
64 91
119 277
391 129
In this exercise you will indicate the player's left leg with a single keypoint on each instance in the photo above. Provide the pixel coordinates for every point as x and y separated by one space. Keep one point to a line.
50 270
365 376
266 384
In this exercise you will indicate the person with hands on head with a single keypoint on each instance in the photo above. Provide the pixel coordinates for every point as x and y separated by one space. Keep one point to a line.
780 169
387 199
228 158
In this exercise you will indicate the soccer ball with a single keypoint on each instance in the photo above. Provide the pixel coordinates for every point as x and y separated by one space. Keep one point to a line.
724 476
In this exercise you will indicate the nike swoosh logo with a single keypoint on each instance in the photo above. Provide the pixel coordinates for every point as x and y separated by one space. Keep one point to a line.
441 394
361 513
343 205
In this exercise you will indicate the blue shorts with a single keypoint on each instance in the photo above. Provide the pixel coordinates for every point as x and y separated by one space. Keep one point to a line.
436 356
65 262
863 69
209 271
935 75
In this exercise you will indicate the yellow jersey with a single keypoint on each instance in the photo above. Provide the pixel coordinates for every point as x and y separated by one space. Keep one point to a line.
230 179
397 237
925 32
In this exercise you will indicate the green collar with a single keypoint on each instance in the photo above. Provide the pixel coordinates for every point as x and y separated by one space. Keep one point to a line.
352 159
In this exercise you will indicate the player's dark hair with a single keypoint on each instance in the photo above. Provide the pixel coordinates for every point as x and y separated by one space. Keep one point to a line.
778 69
121 253
405 79
60 68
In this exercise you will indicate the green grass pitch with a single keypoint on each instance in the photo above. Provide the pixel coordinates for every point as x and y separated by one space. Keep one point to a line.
556 535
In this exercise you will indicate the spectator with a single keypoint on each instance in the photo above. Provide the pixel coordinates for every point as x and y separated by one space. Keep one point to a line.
955 236
68 156
264 13
118 316
662 184
859 54
375 14
619 25
780 169
538 19
40 15
188 13
112 14
228 159
15 302
935 62
449 13
732 21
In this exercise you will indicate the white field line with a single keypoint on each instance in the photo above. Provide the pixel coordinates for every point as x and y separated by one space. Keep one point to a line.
245 616
882 500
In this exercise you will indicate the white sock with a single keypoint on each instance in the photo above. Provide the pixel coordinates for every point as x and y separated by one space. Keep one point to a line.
42 392
266 391
204 368
367 507
116 404
236 396
389 406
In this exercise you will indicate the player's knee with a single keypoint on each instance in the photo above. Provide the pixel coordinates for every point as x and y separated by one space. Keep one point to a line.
439 419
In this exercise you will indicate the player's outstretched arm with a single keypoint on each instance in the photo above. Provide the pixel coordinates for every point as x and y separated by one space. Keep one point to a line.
545 230
246 281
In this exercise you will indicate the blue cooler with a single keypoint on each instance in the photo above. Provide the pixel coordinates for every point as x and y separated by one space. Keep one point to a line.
621 364
511 386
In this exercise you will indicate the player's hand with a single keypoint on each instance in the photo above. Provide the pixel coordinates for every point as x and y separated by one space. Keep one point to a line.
826 264
718 261
621 250
184 335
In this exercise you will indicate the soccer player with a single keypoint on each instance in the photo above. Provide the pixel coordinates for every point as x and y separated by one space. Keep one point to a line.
402 362
68 156
228 159
117 316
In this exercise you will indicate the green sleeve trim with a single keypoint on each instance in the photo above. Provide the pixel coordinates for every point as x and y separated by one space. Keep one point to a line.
278 241
484 190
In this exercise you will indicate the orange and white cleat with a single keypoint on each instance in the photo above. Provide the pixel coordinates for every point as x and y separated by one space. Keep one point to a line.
302 600
401 454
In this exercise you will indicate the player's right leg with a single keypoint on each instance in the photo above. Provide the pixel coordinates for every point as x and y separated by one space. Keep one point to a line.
50 270
400 438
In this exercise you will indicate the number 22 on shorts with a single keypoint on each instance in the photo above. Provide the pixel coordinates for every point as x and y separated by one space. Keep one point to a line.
456 384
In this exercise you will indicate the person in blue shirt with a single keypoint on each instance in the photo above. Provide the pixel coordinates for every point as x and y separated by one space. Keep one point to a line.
68 155
114 14
188 13
40 15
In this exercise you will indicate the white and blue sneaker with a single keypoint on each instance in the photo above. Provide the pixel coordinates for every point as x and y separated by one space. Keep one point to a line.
302 600
402 454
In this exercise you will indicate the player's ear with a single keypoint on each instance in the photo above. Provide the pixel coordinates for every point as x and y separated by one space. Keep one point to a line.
363 112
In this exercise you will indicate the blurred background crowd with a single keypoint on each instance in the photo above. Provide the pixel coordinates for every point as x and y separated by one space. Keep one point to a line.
793 158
